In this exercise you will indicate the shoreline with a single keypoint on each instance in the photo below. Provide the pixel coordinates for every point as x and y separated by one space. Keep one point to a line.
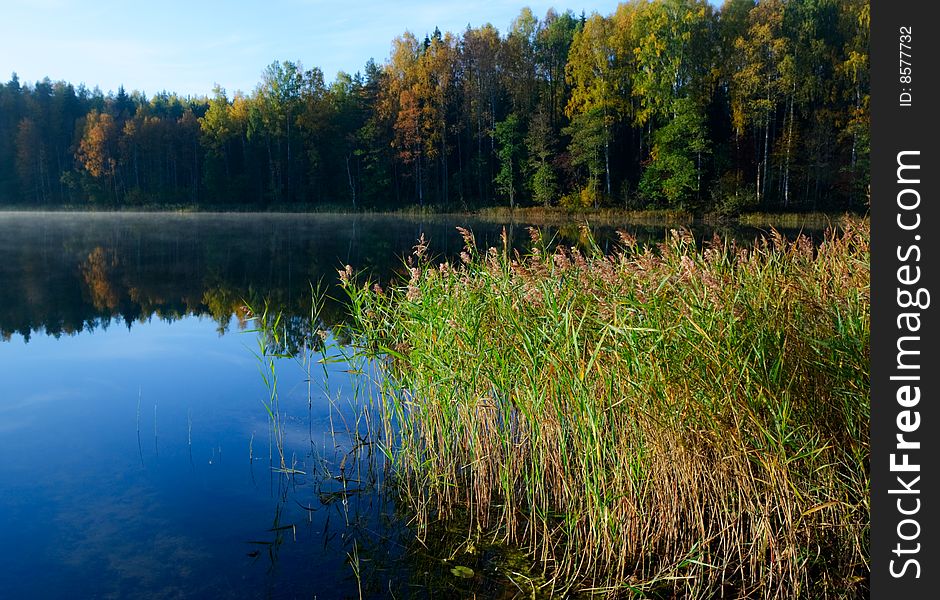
535 215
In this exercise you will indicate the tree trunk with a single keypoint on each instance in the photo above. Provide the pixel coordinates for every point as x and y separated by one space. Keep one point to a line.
764 163
287 191
607 158
512 187
444 174
275 184
195 171
419 181
480 155
786 169
352 187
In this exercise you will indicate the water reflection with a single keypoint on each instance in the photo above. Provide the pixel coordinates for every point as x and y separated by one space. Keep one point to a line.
62 274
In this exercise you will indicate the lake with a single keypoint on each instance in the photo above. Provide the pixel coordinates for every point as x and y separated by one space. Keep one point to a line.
137 453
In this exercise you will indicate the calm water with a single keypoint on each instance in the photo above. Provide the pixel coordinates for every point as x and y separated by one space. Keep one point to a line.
134 443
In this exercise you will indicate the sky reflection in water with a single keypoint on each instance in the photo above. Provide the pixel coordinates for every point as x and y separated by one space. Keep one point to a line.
90 510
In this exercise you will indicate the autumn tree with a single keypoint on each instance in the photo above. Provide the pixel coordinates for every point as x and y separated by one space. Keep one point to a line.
404 105
433 91
219 131
97 153
597 97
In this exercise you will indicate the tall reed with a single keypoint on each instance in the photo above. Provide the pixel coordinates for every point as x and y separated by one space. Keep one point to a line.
667 420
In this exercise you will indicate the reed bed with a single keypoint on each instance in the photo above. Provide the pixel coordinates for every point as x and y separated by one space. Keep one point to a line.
668 421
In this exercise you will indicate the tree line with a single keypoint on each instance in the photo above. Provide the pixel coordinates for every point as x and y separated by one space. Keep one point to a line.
661 104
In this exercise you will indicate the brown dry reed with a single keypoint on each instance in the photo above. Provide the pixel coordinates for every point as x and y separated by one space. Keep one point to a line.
668 421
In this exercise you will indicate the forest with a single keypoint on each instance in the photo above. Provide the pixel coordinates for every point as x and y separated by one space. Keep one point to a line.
667 104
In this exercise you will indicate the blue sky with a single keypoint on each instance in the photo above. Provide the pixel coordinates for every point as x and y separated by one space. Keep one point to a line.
188 46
